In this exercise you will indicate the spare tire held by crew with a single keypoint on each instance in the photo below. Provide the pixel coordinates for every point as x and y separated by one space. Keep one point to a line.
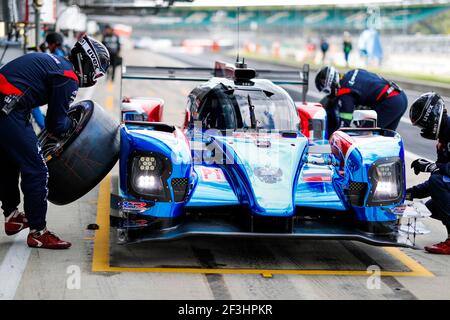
78 162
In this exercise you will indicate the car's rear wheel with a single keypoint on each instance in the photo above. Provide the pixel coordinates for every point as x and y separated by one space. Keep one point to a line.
78 162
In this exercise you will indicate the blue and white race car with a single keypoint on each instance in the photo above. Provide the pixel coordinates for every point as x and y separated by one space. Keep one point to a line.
251 162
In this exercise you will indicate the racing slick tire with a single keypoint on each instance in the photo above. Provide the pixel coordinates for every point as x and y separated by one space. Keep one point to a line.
80 160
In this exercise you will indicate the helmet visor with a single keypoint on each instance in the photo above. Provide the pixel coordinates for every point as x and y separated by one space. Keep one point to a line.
98 74
326 90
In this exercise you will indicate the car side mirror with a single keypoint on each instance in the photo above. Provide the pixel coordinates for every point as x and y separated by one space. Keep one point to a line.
364 119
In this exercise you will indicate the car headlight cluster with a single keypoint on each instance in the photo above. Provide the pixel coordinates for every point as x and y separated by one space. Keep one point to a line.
147 173
147 164
387 180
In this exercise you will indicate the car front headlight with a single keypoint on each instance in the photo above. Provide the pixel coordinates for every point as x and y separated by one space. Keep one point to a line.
149 173
387 179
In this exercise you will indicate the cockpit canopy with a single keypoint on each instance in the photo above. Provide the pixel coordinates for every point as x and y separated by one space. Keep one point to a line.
247 108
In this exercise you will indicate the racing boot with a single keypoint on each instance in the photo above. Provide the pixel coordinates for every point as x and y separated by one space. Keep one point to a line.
46 240
15 223
440 248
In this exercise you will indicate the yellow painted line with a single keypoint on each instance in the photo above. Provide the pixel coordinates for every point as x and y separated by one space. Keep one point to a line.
110 86
100 260
412 264
109 103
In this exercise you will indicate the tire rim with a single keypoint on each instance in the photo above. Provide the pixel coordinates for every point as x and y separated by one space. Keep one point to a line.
52 147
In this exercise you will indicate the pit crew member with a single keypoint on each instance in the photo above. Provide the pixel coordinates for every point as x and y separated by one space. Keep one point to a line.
360 87
112 43
429 113
32 80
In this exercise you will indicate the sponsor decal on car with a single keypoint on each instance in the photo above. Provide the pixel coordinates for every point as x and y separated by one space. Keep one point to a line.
212 174
133 205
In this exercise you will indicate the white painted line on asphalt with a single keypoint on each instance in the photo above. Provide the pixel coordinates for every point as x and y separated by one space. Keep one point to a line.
13 266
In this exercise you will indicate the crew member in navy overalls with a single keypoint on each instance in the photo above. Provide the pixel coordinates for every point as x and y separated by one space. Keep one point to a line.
360 88
428 112
36 79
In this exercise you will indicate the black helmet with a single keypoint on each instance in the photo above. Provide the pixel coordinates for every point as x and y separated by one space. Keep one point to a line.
54 37
327 80
90 59
427 113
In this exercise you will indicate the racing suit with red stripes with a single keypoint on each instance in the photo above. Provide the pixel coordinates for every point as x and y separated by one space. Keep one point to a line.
438 185
360 87
34 79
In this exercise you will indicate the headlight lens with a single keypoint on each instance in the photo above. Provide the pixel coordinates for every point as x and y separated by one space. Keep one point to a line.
147 175
387 182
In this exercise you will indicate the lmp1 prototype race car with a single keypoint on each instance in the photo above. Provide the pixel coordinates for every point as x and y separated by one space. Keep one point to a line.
251 162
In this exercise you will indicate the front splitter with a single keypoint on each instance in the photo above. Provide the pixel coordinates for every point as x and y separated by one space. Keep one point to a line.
308 230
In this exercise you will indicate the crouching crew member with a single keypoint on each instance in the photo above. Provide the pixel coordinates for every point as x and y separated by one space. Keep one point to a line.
428 112
360 88
36 79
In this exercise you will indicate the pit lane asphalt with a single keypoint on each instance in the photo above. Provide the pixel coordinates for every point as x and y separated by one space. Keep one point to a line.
41 274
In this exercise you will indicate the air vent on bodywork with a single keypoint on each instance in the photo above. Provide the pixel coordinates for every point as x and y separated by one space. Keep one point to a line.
357 192
180 188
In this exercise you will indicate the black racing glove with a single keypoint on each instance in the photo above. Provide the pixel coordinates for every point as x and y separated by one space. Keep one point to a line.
409 194
422 165
71 129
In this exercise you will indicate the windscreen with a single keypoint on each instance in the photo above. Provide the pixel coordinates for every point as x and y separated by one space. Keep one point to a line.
265 110
248 109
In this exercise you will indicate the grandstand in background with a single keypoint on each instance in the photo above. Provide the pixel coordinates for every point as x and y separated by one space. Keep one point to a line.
399 17
410 30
